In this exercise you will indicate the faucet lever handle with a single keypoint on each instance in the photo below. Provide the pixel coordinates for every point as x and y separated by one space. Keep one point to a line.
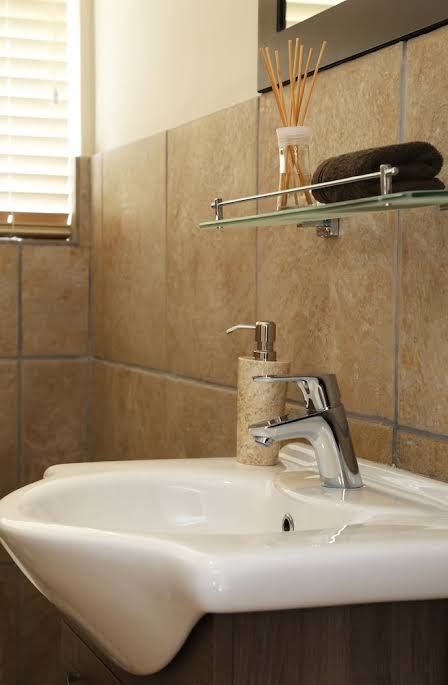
319 392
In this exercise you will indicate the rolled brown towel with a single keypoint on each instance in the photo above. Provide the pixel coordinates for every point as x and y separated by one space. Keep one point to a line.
418 164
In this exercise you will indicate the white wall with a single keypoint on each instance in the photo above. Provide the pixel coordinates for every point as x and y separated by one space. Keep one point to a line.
161 63
87 77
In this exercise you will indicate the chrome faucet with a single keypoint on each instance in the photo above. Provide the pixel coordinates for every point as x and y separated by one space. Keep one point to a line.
324 425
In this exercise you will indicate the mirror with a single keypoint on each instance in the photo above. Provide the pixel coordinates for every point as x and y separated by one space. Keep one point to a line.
351 27
299 10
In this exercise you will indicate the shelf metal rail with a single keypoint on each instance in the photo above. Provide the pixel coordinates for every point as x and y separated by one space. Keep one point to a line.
385 175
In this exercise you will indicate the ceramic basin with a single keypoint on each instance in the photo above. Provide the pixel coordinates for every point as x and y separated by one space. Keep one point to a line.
136 552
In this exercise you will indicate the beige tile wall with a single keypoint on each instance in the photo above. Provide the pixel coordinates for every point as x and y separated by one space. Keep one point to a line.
210 279
44 376
55 300
132 287
9 299
128 407
54 399
370 306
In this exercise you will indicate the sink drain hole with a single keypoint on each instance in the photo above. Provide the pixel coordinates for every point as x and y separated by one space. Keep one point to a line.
287 523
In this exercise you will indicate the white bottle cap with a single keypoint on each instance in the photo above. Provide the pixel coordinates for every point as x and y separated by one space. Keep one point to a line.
293 135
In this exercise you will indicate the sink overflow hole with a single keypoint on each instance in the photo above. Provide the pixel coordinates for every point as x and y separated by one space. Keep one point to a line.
287 523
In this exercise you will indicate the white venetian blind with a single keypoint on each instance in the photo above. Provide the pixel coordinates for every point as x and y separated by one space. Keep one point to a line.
35 146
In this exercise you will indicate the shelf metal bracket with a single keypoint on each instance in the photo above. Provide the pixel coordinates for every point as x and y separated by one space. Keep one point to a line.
218 207
326 228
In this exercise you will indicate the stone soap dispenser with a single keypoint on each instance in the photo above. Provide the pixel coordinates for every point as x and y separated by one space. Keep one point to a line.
258 401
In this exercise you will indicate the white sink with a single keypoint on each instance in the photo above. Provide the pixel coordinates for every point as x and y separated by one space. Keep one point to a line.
137 552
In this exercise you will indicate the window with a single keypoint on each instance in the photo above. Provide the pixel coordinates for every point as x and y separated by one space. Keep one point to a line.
39 115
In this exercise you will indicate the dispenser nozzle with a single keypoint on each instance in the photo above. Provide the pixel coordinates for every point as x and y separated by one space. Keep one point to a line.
264 338
240 326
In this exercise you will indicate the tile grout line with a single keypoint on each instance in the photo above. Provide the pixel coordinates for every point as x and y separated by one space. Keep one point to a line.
88 410
213 384
403 78
422 432
163 373
257 191
99 246
19 366
397 268
371 418
165 332
368 418
396 379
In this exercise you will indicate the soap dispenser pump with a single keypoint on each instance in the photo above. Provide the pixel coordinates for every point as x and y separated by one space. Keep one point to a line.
256 402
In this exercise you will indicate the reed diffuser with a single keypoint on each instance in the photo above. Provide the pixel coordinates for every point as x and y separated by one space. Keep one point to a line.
293 136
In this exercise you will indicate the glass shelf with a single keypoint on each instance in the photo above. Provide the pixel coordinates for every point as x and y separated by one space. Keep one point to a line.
338 210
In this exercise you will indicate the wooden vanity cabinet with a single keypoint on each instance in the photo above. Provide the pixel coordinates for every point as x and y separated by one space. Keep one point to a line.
400 643
80 664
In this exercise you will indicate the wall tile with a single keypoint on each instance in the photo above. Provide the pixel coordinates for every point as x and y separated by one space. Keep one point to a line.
422 454
131 281
354 106
8 427
8 624
96 293
424 279
40 627
426 108
83 200
55 285
371 440
211 275
9 297
423 368
128 413
54 397
333 300
334 305
200 420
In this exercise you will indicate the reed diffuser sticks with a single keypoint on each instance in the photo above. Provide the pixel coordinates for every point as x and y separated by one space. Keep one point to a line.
293 113
313 83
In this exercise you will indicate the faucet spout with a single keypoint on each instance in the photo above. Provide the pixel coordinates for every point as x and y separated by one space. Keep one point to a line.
326 429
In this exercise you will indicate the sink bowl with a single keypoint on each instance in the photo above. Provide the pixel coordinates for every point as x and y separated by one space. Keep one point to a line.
136 552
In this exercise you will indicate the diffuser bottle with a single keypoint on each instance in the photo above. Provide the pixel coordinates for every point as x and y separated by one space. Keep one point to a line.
258 401
294 165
